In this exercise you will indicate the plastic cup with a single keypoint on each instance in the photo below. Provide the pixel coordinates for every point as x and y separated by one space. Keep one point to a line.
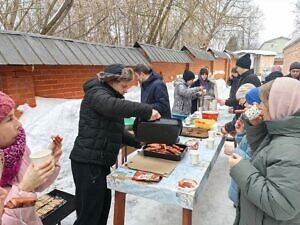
210 144
40 156
194 157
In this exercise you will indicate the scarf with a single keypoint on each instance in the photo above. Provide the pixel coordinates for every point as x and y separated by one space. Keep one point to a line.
13 158
203 83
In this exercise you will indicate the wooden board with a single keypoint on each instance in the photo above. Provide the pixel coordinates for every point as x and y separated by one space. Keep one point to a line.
194 132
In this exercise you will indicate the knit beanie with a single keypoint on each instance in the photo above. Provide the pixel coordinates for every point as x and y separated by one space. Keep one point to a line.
295 65
244 61
253 96
242 91
6 105
188 75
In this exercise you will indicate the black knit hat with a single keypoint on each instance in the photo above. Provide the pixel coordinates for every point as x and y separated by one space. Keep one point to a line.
188 75
244 61
295 65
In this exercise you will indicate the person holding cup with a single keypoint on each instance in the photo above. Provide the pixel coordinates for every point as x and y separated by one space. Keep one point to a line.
270 183
20 177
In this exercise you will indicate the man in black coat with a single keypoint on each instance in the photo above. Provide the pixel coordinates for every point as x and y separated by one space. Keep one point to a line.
246 75
153 90
101 134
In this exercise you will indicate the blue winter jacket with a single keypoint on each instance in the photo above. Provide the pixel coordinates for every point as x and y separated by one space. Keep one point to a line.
244 151
154 92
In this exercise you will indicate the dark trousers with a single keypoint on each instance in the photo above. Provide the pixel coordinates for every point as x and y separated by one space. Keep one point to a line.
92 198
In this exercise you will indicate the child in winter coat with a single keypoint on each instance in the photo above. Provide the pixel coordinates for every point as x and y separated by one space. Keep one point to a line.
20 178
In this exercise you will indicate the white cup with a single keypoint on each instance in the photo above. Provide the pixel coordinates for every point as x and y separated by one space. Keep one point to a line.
194 157
40 156
210 144
211 134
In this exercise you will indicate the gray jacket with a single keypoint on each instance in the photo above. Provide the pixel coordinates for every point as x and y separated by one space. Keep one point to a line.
183 96
270 181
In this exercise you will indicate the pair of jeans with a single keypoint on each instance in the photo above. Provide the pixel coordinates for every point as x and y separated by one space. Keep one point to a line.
92 198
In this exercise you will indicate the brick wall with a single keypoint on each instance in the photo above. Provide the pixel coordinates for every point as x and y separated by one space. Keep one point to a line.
198 64
23 83
290 55
169 70
220 68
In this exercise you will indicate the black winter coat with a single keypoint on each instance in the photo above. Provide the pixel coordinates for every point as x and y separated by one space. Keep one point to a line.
233 83
154 92
247 77
101 130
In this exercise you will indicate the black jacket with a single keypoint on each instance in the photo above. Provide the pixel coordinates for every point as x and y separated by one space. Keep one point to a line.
154 92
101 130
247 77
231 101
244 78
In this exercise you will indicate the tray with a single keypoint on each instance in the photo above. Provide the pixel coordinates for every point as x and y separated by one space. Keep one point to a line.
164 131
194 132
166 156
57 214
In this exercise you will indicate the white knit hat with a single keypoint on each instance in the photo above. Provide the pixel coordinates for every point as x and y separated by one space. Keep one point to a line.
242 91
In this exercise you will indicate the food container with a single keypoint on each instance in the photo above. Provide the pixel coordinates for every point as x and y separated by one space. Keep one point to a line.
187 185
164 131
58 214
166 155
204 123
212 115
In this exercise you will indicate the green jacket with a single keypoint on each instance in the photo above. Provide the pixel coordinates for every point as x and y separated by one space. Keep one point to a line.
270 181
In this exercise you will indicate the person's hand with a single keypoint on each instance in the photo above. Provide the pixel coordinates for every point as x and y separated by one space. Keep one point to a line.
3 194
223 131
228 149
36 175
221 101
230 110
256 121
155 115
234 159
55 146
239 126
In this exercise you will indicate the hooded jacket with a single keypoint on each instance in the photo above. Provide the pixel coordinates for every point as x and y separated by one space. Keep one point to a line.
154 92
270 181
101 130
183 96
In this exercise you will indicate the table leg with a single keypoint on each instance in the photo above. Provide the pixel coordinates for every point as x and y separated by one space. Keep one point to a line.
186 216
119 213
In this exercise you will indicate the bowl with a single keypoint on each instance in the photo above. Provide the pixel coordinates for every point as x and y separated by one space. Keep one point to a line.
212 115
204 123
40 156
186 184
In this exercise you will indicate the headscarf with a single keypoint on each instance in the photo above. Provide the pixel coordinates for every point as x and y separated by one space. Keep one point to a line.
242 91
284 98
6 105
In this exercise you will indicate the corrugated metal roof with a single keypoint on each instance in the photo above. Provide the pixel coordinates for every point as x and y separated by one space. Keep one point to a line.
218 54
159 54
19 48
235 56
199 53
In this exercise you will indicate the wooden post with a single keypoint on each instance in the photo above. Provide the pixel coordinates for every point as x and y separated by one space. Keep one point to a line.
119 213
186 216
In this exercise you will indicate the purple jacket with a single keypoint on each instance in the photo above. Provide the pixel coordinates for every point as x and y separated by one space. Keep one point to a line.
28 214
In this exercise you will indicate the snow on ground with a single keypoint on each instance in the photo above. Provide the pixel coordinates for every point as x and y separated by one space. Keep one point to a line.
61 116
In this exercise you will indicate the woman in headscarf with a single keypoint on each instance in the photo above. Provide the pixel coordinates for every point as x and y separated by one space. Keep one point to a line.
270 182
